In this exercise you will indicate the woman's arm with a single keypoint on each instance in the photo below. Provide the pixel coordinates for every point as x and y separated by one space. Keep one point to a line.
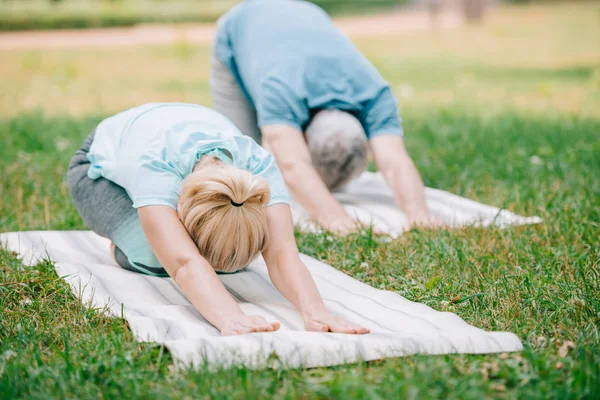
291 277
179 256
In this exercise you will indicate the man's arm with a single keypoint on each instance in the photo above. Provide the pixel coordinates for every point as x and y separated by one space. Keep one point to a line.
179 256
293 158
402 176
291 277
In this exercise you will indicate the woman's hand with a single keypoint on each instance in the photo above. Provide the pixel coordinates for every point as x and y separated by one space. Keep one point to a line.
176 251
324 321
241 323
292 278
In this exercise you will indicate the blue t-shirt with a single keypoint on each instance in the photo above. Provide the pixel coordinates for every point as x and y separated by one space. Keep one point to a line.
150 149
291 61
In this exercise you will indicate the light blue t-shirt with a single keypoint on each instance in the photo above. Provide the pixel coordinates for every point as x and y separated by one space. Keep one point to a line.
291 61
150 149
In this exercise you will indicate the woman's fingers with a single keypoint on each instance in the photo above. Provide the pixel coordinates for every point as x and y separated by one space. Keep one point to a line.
275 325
338 325
231 331
315 326
259 324
342 327
250 325
264 326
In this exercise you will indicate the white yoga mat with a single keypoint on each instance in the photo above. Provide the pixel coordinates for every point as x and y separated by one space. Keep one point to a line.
369 200
157 311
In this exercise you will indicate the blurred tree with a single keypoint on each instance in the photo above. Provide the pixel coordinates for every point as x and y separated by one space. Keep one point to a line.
473 10
344 6
435 8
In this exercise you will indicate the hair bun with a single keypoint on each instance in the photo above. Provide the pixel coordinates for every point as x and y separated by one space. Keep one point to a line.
228 238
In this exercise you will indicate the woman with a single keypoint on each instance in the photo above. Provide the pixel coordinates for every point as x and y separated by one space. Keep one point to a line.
181 192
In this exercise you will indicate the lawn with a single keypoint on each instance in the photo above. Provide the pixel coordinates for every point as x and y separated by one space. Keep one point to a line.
72 14
507 113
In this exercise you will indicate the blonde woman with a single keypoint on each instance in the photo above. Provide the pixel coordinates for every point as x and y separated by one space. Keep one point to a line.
181 192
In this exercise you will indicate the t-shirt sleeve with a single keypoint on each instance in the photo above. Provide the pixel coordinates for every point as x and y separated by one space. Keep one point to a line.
380 115
154 182
223 50
278 104
146 174
261 163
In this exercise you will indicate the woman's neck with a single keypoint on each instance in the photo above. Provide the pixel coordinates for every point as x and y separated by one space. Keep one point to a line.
207 161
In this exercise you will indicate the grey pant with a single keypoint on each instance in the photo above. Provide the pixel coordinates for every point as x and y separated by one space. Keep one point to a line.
103 205
230 100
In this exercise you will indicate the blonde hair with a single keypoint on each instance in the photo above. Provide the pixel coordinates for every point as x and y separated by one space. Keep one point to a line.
222 208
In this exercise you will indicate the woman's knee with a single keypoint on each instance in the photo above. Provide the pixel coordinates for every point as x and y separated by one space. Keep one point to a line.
102 205
76 176
79 164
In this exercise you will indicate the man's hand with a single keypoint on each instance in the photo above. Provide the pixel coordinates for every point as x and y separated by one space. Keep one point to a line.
403 178
242 323
324 321
426 221
343 225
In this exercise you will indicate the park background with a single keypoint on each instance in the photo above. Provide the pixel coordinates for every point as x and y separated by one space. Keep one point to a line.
502 107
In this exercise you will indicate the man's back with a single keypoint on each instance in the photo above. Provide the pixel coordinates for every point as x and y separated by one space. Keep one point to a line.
290 59
284 29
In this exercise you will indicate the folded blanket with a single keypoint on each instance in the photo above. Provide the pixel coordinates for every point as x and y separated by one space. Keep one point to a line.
157 311
370 201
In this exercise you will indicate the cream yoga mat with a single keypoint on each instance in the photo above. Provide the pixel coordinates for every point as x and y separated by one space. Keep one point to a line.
369 200
157 311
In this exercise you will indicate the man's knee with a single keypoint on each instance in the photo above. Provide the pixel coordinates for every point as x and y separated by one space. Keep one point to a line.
338 146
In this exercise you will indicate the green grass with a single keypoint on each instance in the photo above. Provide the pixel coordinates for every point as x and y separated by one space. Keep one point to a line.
540 282
80 14
73 14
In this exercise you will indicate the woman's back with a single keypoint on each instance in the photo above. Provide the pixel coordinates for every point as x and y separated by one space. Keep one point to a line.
150 149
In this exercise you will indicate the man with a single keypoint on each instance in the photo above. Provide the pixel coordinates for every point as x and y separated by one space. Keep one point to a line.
283 73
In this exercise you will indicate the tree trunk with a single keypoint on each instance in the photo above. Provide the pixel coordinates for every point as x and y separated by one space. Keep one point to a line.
473 10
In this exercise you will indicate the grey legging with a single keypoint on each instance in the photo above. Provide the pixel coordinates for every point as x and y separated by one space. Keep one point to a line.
104 206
